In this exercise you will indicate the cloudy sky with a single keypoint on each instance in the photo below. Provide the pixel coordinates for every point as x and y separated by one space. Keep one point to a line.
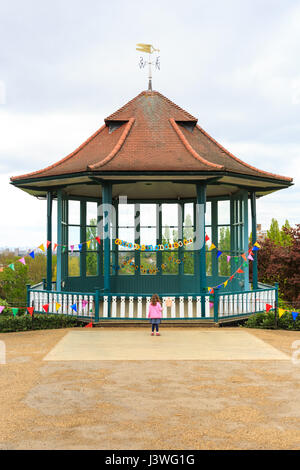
65 65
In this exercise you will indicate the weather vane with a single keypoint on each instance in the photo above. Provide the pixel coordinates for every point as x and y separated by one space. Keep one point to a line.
149 49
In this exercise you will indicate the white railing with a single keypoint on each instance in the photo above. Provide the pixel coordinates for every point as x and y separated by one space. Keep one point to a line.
61 303
245 302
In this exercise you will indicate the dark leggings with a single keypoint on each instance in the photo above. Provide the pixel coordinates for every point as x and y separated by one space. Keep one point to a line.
155 325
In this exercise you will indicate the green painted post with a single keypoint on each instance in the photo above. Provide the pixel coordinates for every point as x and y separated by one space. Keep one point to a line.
214 239
254 238
28 295
216 307
107 203
276 304
59 241
246 239
200 234
97 295
49 239
82 255
137 237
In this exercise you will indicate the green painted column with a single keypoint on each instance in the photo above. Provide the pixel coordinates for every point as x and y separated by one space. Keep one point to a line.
200 239
107 214
137 237
246 238
254 238
49 239
159 238
214 239
83 239
181 251
59 240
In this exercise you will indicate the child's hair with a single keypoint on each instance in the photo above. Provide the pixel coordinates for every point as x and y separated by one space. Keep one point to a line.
155 299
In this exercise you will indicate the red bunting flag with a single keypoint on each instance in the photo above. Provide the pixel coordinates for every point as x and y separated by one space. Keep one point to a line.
48 243
240 270
55 246
231 277
206 238
46 307
89 325
30 310
268 307
98 240
244 256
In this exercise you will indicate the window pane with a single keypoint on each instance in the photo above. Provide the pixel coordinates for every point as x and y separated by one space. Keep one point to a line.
170 263
188 263
224 238
126 215
208 214
74 264
148 215
91 213
91 264
126 264
170 215
148 263
208 263
127 235
169 234
224 267
148 236
208 233
74 212
223 212
74 236
188 214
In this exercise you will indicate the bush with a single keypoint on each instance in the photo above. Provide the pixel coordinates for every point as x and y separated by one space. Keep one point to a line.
40 321
267 320
7 310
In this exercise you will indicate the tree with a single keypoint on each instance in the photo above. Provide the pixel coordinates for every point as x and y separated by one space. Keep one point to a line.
274 233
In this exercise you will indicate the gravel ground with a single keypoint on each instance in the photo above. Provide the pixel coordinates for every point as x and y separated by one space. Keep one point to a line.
146 404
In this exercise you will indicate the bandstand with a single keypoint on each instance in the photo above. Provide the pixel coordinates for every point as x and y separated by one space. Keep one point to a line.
140 206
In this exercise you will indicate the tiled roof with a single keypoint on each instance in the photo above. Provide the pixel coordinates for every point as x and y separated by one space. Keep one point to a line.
150 133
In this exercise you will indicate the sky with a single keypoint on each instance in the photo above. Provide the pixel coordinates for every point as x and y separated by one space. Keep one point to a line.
66 65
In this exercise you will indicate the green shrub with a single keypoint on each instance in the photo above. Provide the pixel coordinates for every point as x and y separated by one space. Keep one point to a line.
39 322
7 310
267 320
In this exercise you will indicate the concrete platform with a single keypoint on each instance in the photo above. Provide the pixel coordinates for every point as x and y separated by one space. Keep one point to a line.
127 344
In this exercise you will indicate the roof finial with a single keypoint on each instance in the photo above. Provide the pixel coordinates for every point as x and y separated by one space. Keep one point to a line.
148 48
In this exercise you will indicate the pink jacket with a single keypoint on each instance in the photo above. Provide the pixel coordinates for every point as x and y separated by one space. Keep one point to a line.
155 311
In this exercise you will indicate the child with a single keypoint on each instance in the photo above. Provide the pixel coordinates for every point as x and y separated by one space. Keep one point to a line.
155 313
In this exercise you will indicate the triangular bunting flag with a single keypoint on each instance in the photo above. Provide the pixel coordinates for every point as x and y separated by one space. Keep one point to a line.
211 291
48 243
255 248
57 306
89 325
31 254
64 249
245 264
15 311
236 259
72 248
295 315
55 246
12 266
257 244
41 247
2 307
98 240
46 307
244 256
74 307
228 258
250 257
225 283
212 247
231 277
219 253
84 303
79 246
30 310
280 312
268 307
240 270
88 243
206 238
22 260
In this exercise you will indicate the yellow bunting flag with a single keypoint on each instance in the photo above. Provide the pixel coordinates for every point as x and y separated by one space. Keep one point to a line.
257 244
57 306
225 283
212 247
88 243
281 312
41 247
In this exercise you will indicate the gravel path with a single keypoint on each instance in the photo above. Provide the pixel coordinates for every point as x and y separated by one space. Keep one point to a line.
147 404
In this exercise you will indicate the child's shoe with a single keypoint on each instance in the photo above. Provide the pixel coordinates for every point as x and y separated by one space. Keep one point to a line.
152 334
157 334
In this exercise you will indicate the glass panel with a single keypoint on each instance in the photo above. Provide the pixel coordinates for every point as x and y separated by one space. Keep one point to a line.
148 263
126 215
91 233
170 263
188 263
208 233
126 264
169 234
148 236
148 215
208 263
74 236
188 214
127 235
91 264
208 214
74 264
91 213
223 212
74 212
170 215
224 238
224 267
